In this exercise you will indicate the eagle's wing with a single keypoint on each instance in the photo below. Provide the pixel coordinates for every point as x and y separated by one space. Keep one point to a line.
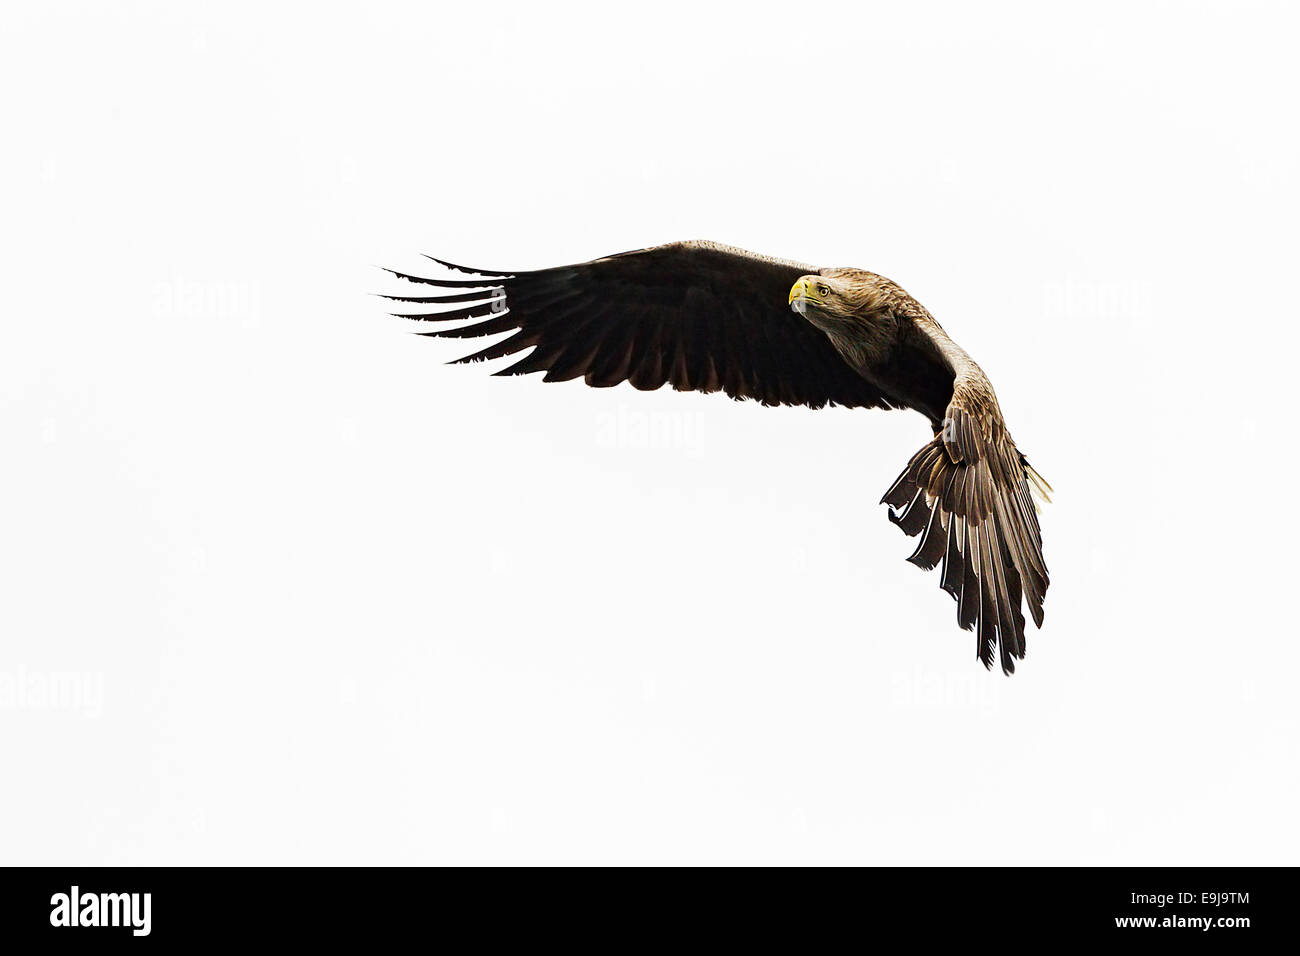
699 315
968 494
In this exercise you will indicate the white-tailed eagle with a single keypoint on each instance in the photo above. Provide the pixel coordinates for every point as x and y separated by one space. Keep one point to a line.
706 317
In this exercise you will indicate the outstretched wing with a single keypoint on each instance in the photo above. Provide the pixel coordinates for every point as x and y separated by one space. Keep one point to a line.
699 315
968 494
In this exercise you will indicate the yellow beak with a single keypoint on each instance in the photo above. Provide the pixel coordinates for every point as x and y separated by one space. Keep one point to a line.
803 289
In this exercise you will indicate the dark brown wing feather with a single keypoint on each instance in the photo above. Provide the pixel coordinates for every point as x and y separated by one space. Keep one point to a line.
696 315
967 494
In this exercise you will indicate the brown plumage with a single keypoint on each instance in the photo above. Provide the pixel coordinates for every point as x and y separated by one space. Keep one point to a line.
708 317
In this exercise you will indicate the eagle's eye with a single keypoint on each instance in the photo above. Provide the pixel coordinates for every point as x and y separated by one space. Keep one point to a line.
823 290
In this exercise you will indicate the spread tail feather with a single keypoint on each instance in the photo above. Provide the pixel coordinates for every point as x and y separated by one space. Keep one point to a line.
980 521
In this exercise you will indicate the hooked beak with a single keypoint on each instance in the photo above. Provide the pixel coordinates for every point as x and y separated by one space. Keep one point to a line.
801 293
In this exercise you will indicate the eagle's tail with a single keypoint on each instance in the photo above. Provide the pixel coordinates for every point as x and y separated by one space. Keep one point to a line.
978 518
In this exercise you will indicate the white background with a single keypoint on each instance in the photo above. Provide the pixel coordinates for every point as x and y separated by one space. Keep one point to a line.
277 585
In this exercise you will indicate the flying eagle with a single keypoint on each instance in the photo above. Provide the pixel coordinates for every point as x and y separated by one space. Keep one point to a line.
708 317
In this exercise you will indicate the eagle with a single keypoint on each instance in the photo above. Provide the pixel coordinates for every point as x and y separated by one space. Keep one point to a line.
707 317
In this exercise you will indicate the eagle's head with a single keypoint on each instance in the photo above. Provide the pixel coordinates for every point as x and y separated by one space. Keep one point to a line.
849 305
842 292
